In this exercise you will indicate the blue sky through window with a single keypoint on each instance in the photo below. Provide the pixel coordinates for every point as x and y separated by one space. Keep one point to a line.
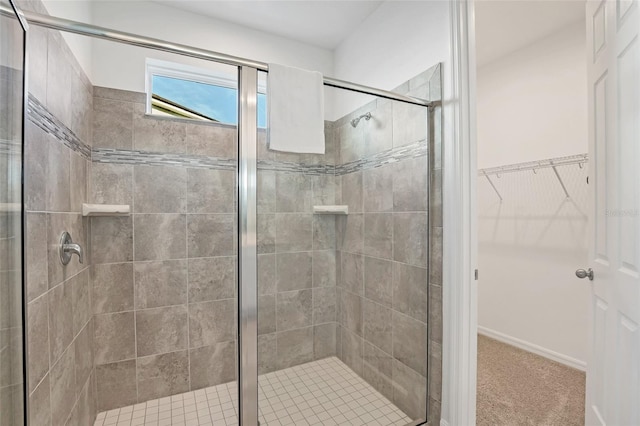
217 102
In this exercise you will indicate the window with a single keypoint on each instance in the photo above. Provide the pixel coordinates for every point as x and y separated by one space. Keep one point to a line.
182 91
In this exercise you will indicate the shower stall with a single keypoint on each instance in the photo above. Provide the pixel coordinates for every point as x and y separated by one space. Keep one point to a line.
222 282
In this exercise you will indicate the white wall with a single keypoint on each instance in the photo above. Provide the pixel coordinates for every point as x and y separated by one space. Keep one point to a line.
396 42
532 105
122 67
76 10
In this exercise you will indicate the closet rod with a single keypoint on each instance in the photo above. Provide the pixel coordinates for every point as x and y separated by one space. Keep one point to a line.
552 163
535 165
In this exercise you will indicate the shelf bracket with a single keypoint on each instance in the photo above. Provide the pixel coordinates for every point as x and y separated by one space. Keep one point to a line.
564 188
492 185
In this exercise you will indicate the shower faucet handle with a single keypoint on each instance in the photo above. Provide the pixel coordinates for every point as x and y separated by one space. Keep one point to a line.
68 247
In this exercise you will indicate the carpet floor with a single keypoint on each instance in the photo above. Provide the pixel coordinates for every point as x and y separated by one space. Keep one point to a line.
516 387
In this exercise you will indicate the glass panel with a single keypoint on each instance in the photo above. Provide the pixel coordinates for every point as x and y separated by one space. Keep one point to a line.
196 100
343 300
192 99
11 298
165 286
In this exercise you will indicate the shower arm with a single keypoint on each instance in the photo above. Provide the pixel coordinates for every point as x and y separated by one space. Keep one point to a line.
355 121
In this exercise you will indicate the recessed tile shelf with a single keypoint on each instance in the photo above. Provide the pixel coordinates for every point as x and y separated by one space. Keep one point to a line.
339 210
105 209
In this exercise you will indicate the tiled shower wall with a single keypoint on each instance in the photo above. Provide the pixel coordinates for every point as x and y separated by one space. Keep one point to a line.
58 143
383 250
297 257
163 277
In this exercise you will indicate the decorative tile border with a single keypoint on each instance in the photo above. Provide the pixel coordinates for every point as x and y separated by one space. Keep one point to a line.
133 157
414 150
41 117
289 167
137 157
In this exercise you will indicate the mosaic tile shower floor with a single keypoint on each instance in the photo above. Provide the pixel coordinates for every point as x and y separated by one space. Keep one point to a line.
324 392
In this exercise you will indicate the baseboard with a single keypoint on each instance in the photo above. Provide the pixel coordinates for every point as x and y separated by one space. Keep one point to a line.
533 348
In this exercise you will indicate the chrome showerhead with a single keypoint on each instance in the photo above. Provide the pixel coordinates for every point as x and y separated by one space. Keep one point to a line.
355 121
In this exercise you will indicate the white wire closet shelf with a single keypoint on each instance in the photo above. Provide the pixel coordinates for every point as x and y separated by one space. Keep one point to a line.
553 163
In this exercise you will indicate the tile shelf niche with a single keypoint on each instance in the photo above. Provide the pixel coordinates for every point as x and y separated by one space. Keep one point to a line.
338 210
105 209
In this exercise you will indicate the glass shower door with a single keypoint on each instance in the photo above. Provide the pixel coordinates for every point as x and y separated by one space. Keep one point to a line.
343 297
12 39
166 315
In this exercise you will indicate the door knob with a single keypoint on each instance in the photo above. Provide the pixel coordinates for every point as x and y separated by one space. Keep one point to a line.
581 273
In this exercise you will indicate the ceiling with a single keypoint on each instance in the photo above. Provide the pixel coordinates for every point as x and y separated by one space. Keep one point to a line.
320 23
505 26
502 26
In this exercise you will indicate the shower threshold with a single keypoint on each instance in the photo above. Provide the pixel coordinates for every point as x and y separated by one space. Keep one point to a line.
323 392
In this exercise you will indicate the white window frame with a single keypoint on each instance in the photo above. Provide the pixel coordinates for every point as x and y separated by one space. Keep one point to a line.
157 67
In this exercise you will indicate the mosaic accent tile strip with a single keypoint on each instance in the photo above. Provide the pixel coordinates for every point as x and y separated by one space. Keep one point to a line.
307 169
137 157
41 117
414 150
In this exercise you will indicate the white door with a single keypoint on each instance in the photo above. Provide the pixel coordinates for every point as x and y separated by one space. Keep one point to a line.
613 365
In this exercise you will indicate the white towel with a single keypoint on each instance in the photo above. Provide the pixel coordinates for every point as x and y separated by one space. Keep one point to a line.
296 110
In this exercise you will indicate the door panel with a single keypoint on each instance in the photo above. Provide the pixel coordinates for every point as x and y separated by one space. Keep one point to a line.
613 373
600 123
627 356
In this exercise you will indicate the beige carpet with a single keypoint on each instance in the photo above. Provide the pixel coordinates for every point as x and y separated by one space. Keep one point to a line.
516 388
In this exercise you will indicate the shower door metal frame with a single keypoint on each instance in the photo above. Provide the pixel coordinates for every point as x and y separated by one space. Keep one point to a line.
248 246
16 12
247 331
